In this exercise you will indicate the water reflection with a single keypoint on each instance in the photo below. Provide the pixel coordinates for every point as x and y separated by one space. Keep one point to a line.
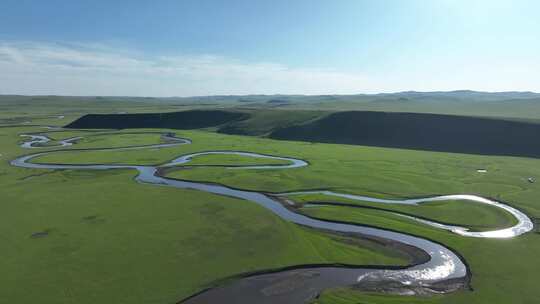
524 222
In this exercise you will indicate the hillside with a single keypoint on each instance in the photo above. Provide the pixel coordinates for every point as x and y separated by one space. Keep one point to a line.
173 120
510 105
431 132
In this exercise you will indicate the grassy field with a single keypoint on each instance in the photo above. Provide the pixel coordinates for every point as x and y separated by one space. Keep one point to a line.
99 237
108 239
475 216
118 139
59 135
233 160
501 268
101 138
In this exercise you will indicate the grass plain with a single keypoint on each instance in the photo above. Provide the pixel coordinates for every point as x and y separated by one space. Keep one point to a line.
233 160
99 237
391 173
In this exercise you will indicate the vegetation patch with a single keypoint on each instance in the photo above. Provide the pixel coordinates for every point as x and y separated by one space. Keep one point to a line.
233 160
263 121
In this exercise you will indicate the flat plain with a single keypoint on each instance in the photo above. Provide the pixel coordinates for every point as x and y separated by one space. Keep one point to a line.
82 236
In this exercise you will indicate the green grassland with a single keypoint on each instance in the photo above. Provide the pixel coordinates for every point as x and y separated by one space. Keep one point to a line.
233 160
204 141
99 237
107 139
475 216
114 241
502 269
118 139
65 134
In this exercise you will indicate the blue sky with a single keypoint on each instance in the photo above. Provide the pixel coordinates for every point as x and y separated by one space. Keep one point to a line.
203 47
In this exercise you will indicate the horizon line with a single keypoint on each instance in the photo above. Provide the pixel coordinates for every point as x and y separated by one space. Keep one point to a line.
279 94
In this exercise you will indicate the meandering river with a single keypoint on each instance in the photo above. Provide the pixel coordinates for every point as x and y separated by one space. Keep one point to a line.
442 270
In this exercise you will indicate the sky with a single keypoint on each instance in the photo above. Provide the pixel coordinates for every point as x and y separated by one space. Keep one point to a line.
237 47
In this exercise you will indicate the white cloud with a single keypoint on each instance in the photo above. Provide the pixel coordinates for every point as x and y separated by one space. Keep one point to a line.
30 68
96 69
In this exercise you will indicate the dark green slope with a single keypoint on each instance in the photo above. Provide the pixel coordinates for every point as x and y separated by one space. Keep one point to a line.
175 120
432 132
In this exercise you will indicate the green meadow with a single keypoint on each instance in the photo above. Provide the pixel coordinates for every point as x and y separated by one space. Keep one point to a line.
100 237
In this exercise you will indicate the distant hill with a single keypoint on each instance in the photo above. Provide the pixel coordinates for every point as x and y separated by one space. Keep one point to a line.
432 132
465 95
458 94
509 105
173 120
